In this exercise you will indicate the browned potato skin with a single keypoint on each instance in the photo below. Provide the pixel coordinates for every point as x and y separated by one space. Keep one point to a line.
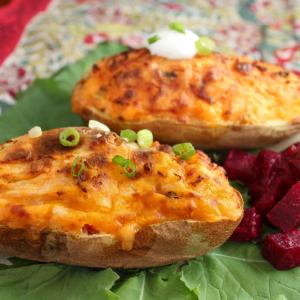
213 101
154 245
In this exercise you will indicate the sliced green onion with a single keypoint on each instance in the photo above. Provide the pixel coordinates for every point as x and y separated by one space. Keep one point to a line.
145 138
69 137
128 165
129 135
119 160
184 150
129 168
205 45
78 166
153 39
177 26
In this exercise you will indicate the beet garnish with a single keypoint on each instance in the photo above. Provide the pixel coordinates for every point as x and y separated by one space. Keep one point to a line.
273 182
240 165
250 227
282 250
286 213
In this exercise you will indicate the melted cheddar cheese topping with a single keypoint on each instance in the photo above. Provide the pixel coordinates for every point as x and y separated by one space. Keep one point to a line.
214 90
38 191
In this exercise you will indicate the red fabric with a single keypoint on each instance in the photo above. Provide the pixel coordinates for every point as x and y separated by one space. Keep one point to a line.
13 18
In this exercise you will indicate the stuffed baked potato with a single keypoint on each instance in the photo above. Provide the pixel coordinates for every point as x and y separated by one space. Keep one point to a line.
74 205
213 101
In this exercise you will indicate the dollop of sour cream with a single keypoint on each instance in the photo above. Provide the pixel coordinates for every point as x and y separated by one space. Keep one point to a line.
173 44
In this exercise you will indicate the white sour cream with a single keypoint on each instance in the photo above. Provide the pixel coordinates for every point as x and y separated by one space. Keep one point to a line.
173 44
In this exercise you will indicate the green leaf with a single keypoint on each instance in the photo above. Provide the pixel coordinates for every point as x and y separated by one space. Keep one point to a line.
243 189
192 275
47 102
4 106
53 281
238 271
159 284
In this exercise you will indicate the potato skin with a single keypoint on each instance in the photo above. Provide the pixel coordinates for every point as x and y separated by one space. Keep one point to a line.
215 101
154 245
35 180
203 136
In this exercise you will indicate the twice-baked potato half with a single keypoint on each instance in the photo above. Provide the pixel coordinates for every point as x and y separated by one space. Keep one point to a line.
213 101
75 205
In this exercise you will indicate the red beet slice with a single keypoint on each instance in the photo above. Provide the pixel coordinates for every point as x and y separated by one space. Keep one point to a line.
282 250
240 165
286 213
292 159
270 195
266 165
250 227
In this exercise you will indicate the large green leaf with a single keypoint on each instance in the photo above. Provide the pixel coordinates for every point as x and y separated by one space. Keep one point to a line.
238 271
53 281
234 271
159 284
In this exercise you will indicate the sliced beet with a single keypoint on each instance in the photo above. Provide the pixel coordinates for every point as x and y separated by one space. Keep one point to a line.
286 213
282 250
240 165
250 227
291 158
269 197
266 165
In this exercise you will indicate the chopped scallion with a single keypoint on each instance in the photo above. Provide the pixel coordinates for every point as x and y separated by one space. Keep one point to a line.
119 160
145 138
129 168
184 150
177 26
205 45
153 39
69 137
128 165
129 135
78 166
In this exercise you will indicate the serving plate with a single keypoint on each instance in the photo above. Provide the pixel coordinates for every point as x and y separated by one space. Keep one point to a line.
234 271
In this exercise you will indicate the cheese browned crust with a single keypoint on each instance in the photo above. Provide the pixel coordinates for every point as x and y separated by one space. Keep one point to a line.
213 101
171 210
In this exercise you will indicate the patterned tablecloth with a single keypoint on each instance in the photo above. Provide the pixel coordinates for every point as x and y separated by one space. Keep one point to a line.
262 29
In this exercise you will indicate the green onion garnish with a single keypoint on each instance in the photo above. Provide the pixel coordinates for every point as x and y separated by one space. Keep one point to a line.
184 150
128 165
145 138
205 45
119 160
129 135
129 168
78 166
177 26
70 137
153 39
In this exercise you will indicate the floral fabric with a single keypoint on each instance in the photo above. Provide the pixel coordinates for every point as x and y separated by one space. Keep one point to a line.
262 29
